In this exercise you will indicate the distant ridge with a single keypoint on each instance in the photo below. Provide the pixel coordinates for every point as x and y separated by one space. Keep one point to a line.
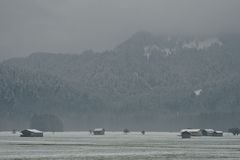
146 77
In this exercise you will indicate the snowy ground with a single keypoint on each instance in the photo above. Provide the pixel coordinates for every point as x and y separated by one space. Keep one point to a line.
116 145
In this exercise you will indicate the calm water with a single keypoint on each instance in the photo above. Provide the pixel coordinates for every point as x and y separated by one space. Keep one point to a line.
116 145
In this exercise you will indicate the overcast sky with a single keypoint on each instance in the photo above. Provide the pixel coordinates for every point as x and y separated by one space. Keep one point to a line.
71 26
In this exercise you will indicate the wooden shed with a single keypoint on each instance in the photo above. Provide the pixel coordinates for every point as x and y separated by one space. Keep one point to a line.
99 131
31 133
185 134
194 132
218 133
207 132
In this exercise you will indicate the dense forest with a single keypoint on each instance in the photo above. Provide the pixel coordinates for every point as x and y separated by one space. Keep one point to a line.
148 81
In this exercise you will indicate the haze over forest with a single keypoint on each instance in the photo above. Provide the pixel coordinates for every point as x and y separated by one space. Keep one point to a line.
72 26
153 65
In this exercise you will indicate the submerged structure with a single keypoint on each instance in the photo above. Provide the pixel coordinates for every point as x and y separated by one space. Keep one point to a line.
31 133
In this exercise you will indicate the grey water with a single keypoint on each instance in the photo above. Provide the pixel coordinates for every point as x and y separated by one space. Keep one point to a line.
116 145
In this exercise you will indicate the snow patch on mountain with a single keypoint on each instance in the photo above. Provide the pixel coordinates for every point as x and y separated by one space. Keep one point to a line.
149 50
201 45
168 51
193 44
198 92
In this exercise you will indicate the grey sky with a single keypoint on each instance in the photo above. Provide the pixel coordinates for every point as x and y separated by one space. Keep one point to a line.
71 26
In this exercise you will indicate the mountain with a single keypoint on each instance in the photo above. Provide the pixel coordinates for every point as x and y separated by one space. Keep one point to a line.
150 79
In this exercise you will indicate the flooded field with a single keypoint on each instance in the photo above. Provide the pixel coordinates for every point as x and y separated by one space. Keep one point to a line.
116 146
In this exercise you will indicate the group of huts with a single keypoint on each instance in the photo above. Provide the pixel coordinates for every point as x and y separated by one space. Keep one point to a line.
37 133
188 133
185 133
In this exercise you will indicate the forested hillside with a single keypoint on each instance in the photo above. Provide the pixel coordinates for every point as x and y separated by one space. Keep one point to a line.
145 79
24 93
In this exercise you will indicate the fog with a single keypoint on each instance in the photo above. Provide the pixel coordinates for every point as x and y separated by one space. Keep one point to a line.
73 26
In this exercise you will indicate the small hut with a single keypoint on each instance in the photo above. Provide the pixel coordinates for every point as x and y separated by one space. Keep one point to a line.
207 132
31 133
143 132
218 133
99 131
126 131
185 134
194 132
